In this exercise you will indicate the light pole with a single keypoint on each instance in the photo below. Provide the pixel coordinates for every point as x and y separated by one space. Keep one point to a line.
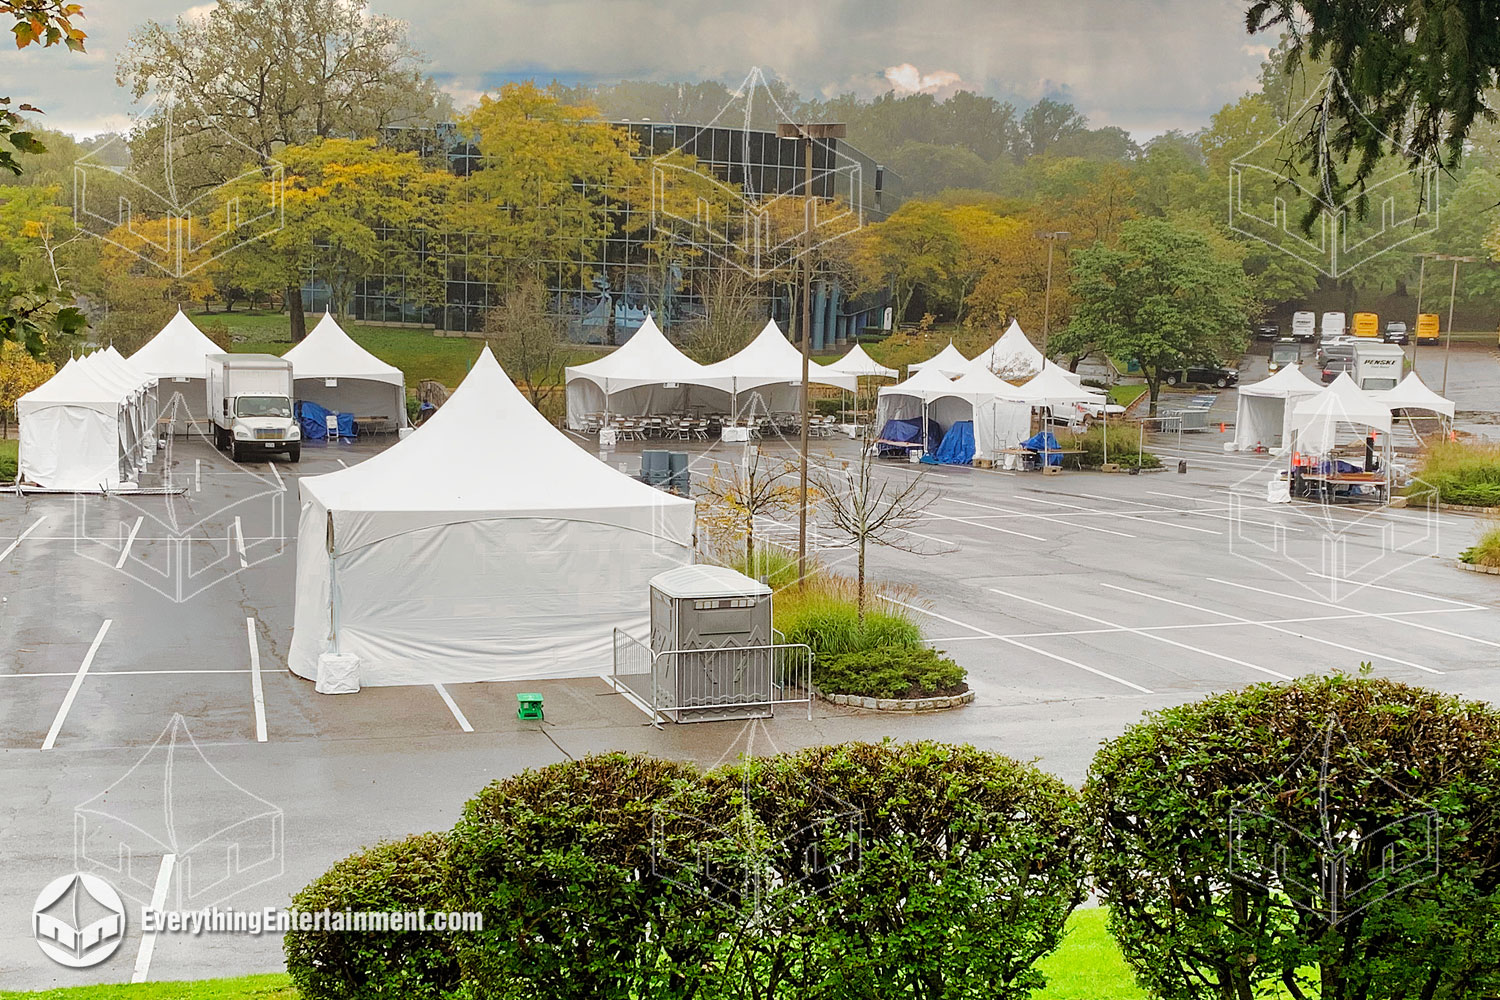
1452 298
1051 239
808 133
1416 339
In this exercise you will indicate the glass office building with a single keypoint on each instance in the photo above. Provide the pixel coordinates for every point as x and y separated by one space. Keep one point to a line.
606 287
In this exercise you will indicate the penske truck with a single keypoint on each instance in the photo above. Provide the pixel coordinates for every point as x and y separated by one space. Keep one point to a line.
250 398
1378 365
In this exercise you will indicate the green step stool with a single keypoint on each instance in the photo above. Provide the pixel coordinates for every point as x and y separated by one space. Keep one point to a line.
529 706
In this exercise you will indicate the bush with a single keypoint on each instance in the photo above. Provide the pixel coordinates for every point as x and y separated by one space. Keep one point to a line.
776 567
396 876
1216 824
8 458
1123 445
1458 472
890 672
818 614
1486 551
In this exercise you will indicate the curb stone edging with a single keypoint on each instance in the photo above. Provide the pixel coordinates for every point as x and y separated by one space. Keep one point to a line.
934 704
1472 568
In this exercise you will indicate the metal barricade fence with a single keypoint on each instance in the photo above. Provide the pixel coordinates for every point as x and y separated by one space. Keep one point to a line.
703 685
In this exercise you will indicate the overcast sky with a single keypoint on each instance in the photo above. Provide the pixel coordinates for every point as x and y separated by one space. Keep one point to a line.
1144 65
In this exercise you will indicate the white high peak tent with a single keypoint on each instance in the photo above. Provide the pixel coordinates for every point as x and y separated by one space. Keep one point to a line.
1074 377
646 374
1013 355
1264 412
330 369
1001 418
771 367
859 364
177 358
1316 419
1051 387
1413 394
485 546
74 432
949 361
138 442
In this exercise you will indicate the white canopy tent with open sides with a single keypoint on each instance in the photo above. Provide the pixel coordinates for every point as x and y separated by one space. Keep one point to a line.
643 376
1413 394
770 369
177 358
485 546
1013 355
330 369
949 361
1263 416
1317 422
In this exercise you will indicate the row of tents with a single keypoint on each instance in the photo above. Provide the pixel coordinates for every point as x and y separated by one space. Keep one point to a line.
1290 407
94 425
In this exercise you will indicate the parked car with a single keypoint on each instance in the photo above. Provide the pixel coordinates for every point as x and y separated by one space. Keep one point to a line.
1269 330
1395 332
1328 352
1204 375
1334 366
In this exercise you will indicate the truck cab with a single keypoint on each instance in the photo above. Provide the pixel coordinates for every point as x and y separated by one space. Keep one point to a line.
250 399
1428 331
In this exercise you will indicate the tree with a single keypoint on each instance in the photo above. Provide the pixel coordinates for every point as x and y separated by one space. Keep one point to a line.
527 339
33 315
46 23
915 247
19 374
866 511
739 494
1047 122
1168 296
732 315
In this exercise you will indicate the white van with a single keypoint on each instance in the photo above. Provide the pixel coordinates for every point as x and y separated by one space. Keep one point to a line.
1331 327
1305 326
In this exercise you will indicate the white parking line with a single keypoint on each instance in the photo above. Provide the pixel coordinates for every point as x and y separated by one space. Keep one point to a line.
280 485
197 475
463 723
1043 517
1277 628
1145 634
986 633
158 901
1368 614
257 693
239 541
125 552
1121 513
1199 512
83 669
1404 593
980 524
22 537
342 462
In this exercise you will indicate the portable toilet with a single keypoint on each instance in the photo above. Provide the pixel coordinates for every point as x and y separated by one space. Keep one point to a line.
712 640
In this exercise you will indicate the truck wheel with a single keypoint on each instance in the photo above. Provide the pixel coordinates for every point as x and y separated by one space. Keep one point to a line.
234 451
219 437
1172 379
294 453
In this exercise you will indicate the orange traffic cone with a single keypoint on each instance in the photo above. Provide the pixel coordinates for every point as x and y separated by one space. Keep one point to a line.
1221 427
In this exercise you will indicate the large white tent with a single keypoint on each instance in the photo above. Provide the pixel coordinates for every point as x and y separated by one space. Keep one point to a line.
330 369
177 358
770 368
1317 419
75 432
949 361
1413 394
646 374
134 396
1264 412
1000 415
1013 355
1051 387
859 364
485 546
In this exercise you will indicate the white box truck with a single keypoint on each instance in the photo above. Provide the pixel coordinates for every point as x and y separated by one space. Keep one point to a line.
250 397
1305 327
1378 365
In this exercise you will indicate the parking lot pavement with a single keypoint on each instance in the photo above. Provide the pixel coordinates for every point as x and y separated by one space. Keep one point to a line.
143 683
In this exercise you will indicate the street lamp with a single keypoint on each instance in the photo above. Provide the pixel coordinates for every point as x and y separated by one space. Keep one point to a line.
1452 298
808 133
1051 239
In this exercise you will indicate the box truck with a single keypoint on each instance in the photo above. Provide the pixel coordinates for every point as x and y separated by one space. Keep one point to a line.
250 397
1378 365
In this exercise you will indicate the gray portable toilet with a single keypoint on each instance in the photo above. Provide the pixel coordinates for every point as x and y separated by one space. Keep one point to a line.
714 626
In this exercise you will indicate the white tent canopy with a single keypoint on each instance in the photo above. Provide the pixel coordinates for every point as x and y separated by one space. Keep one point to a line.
1013 355
1264 410
485 546
1074 377
949 361
1316 419
858 363
1412 394
1001 418
771 368
177 358
74 432
330 369
646 374
1053 388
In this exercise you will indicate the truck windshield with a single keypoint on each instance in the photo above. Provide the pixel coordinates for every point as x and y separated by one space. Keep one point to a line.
262 406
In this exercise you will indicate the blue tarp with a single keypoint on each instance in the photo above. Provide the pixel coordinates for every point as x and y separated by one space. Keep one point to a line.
958 444
906 430
314 421
1044 441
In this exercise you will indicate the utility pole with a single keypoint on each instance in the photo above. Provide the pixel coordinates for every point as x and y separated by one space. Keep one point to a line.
1051 239
1416 340
1452 298
807 133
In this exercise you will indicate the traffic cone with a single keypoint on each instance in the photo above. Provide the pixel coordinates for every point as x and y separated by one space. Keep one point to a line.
1221 427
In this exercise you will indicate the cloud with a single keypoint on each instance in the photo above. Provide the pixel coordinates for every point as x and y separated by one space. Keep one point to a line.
907 79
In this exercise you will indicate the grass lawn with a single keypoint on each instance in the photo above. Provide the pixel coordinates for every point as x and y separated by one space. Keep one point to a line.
8 450
416 352
1126 394
1087 967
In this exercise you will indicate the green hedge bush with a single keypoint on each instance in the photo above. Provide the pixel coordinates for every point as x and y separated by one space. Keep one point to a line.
829 623
890 672
1124 443
1458 472
1216 825
8 457
1486 551
396 876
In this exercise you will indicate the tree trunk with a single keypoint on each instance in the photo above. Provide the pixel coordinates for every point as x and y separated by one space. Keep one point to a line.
860 583
750 546
295 313
1154 387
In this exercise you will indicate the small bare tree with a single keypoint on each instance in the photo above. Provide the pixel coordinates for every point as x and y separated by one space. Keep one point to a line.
737 494
527 339
865 510
733 313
